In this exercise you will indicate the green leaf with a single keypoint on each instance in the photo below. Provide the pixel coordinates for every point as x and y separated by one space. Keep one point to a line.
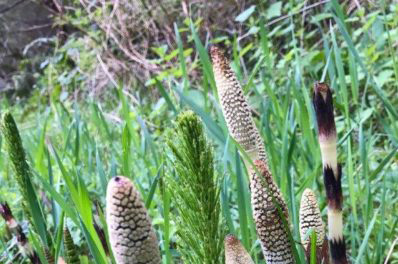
242 17
274 10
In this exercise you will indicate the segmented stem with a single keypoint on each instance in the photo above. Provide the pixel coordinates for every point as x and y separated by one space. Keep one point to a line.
132 237
323 105
235 252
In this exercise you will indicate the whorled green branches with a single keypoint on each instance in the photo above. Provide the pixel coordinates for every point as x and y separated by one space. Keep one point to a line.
195 187
269 208
132 237
17 156
30 202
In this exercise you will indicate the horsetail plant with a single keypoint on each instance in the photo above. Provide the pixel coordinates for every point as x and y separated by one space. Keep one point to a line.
16 152
269 208
311 220
327 136
71 251
30 202
235 252
269 213
131 235
196 192
235 108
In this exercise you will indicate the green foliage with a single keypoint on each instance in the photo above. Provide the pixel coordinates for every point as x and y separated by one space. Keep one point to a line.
195 189
17 156
74 144
23 174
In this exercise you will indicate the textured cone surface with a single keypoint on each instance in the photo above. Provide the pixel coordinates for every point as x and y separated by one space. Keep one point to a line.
71 251
266 198
310 218
235 108
131 235
235 253
49 256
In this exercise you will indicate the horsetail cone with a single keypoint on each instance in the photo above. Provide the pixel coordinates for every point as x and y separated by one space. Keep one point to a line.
270 215
71 251
132 237
235 253
323 105
310 218
235 108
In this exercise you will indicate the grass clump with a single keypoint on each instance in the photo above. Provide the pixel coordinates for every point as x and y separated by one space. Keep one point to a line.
195 191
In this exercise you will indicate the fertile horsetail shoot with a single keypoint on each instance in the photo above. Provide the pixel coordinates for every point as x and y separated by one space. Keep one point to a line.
269 208
235 253
311 219
323 105
269 213
131 234
235 108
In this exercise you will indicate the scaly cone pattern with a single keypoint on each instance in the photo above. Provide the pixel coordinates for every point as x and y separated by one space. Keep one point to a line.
235 253
235 108
310 218
132 237
266 198
323 105
71 251
269 209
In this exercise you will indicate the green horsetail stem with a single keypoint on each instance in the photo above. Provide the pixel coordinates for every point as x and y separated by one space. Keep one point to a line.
195 189
235 252
16 152
235 108
132 237
269 213
30 202
311 219
71 251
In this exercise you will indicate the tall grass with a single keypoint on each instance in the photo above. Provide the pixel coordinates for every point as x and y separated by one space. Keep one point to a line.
75 147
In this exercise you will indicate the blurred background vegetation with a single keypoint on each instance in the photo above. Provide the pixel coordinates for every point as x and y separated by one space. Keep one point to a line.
95 85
